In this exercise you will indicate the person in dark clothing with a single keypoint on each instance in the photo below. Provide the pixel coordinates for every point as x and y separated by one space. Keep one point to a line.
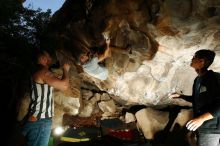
205 99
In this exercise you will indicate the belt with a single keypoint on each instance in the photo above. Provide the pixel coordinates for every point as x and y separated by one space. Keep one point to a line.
32 119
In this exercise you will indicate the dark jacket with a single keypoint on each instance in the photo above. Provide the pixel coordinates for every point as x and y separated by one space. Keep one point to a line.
208 101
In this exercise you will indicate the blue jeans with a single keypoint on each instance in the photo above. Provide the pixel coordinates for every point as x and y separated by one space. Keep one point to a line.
208 139
37 133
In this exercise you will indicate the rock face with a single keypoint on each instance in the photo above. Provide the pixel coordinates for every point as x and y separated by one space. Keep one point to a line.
162 37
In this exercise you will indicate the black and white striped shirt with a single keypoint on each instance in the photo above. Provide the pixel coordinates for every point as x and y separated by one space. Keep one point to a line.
42 103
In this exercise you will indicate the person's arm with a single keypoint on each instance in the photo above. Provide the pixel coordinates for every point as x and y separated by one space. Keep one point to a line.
60 84
212 111
195 123
110 49
185 97
107 52
214 107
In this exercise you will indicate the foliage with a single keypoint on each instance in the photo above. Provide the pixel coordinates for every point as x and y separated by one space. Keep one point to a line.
27 24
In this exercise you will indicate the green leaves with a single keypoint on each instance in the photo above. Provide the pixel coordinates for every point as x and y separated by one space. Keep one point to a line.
21 31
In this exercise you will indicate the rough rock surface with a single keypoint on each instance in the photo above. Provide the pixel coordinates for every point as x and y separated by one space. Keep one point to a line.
162 37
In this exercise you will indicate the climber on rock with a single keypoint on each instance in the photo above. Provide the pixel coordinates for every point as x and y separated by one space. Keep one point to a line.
91 62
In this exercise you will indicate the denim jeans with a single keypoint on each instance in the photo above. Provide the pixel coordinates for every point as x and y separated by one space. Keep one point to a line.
208 139
37 133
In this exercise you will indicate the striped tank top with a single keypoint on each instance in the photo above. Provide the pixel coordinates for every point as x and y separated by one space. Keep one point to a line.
42 103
